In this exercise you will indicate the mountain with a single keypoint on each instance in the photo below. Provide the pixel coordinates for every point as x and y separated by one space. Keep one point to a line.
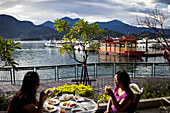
10 27
116 25
71 22
37 31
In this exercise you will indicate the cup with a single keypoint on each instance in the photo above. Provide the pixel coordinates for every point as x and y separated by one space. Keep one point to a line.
62 110
65 96
108 87
77 94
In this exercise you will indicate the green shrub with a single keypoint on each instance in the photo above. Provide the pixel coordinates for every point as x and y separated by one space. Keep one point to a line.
86 91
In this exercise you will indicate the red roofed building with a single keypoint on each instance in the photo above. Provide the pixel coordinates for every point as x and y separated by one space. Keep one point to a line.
125 46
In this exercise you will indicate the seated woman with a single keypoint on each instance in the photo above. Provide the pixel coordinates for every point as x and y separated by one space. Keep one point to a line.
25 100
122 98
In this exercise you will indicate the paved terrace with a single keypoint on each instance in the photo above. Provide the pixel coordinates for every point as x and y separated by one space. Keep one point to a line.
98 85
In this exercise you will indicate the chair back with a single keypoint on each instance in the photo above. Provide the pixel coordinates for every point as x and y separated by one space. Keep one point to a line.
137 93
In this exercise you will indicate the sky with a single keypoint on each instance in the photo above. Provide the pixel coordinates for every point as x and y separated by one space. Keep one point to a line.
40 11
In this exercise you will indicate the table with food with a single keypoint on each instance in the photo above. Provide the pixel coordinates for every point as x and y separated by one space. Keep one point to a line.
68 103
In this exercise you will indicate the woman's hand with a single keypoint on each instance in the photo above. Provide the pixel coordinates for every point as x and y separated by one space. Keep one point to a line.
108 91
107 111
43 96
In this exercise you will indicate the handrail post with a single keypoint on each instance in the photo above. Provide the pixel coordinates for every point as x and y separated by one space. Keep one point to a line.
95 70
153 70
35 69
133 69
75 70
11 74
14 74
55 73
114 69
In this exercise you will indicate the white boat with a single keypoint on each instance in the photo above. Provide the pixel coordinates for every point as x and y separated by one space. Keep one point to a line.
80 48
151 43
50 43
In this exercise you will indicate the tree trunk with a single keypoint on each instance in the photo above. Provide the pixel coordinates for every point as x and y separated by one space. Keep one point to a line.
84 75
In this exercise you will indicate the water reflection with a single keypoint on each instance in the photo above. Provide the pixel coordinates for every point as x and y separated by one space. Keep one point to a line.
115 58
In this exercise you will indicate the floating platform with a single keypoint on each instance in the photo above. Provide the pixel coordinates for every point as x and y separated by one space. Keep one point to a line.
153 54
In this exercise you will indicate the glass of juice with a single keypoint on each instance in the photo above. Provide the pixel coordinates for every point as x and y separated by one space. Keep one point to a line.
62 110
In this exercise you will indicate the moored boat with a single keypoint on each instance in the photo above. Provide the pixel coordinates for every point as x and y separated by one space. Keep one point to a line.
50 43
125 46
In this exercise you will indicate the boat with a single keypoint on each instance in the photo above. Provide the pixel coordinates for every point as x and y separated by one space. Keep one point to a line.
125 46
50 43
79 47
152 43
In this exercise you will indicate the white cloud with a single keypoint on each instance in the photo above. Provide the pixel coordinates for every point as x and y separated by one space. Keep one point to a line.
39 11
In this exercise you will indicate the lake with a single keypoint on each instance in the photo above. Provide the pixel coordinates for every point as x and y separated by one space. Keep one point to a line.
33 53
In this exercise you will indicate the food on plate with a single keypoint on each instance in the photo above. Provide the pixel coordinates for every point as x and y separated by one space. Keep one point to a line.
52 102
69 104
50 107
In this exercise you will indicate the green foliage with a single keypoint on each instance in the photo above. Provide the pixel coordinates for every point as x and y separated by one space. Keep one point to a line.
81 30
7 47
85 91
5 99
152 89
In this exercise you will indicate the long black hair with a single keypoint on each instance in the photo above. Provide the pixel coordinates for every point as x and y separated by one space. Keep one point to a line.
30 81
124 77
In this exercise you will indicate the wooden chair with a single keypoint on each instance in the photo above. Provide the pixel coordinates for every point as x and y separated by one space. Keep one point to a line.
165 105
137 92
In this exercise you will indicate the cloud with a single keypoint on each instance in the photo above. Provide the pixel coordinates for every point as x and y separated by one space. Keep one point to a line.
163 1
39 11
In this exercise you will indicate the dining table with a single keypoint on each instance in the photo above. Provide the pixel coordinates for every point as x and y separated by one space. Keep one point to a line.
78 105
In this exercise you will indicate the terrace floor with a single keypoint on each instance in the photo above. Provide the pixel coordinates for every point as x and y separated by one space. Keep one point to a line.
98 85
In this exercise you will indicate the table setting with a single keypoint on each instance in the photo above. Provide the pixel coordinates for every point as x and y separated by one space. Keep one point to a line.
69 103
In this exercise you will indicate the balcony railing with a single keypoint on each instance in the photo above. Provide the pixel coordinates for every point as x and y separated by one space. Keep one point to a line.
73 71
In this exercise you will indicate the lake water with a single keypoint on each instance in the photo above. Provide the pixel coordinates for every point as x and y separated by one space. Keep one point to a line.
33 53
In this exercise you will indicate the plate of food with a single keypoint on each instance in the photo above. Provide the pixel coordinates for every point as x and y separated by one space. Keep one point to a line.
68 104
53 101
50 108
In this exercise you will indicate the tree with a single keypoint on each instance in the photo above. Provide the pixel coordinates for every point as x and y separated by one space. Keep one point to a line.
83 32
154 20
7 47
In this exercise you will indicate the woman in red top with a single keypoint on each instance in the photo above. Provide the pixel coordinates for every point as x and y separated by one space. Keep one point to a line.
25 100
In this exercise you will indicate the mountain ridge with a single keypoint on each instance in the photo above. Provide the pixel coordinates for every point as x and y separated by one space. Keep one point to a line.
12 28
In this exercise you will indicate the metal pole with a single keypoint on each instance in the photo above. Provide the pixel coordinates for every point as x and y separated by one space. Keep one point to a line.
55 73
14 75
11 75
75 70
133 69
153 70
96 71
114 68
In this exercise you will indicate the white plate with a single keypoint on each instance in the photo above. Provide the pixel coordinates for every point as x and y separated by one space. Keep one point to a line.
67 106
53 101
63 99
50 110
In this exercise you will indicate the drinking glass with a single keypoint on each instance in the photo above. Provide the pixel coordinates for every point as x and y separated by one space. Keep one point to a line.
77 94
